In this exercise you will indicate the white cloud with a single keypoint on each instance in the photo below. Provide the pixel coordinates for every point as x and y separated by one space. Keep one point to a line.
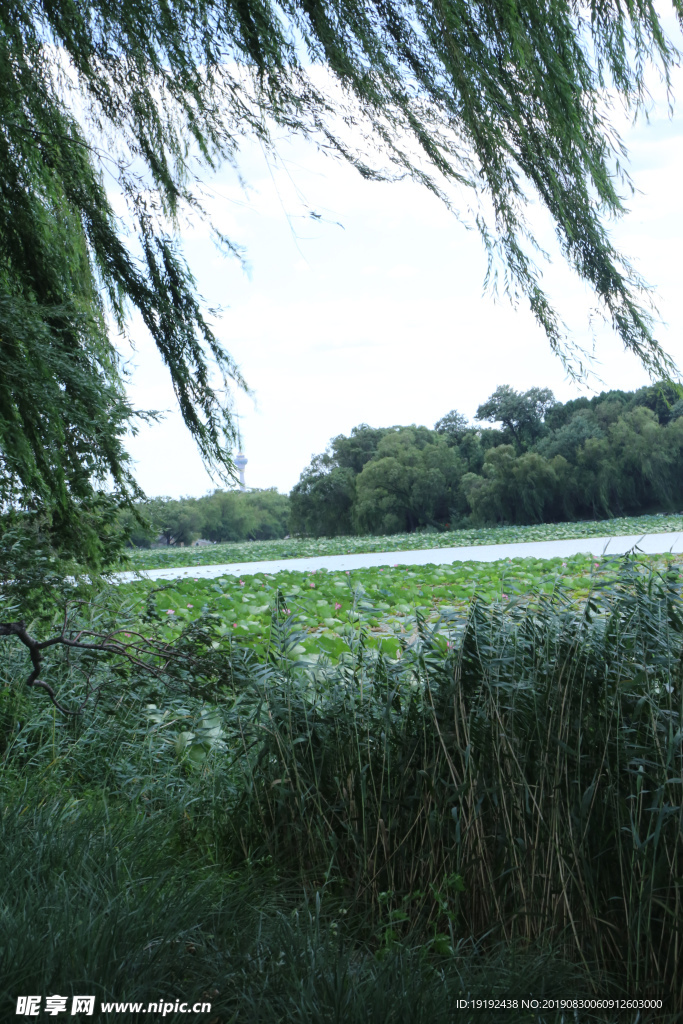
384 321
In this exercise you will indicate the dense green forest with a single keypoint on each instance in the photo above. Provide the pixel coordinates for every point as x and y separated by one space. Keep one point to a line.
617 453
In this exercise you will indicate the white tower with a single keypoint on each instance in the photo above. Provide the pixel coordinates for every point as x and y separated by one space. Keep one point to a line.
240 463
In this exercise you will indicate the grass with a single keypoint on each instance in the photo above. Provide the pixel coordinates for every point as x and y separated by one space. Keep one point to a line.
367 839
111 905
256 551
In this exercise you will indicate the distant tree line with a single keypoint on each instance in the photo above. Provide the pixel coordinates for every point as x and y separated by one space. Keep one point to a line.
618 453
221 516
526 459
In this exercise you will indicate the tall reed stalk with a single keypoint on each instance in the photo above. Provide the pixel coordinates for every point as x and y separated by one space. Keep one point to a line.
512 780
524 787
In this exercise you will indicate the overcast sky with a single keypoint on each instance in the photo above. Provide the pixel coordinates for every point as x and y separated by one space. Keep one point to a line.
375 313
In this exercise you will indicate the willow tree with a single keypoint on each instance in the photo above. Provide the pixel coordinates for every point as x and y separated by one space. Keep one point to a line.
506 100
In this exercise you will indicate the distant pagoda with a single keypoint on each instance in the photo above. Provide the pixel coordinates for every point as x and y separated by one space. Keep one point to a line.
240 463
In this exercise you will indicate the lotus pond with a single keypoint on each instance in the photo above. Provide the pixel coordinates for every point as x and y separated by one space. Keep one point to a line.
263 550
328 607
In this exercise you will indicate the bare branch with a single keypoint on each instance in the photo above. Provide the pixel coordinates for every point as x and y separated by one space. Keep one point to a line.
136 653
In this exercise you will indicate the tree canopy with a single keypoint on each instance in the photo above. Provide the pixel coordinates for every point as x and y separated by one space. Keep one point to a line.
139 101
618 453
221 516
521 414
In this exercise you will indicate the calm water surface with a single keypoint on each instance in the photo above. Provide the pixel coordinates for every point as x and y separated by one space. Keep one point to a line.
651 544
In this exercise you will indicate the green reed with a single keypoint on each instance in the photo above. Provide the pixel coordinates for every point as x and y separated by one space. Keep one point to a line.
524 788
514 793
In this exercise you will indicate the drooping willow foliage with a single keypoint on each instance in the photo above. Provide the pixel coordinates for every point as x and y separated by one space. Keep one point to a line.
507 100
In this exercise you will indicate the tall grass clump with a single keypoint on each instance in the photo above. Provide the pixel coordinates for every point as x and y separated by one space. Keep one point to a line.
105 902
520 784
495 812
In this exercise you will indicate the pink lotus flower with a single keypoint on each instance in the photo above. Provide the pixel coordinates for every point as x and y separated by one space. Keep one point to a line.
311 584
169 611
337 606
241 583
190 606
